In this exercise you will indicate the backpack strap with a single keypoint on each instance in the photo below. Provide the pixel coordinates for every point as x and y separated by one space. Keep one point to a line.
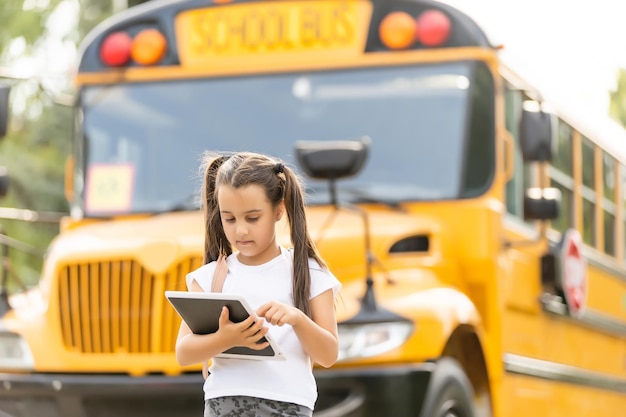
219 276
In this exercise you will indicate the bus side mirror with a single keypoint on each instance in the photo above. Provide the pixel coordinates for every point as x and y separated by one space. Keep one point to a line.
4 109
331 160
536 133
542 203
4 181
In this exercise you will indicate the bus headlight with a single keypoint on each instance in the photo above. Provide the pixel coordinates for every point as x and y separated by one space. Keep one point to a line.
14 352
366 340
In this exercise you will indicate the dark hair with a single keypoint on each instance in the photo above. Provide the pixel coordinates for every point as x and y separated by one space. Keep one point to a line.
280 184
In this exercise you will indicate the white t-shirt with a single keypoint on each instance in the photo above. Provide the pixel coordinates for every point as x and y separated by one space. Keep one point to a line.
290 380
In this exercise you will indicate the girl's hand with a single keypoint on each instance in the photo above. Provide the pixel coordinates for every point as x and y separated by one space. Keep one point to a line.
279 313
247 333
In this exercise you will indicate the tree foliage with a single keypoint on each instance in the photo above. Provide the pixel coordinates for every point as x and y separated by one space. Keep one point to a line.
40 132
618 99
20 22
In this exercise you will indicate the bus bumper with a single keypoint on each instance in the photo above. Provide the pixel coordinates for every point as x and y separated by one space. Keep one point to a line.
73 395
364 392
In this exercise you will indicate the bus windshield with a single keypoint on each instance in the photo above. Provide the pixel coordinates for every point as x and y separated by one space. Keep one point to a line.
151 135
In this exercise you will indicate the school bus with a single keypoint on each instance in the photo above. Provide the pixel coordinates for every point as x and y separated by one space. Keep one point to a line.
478 229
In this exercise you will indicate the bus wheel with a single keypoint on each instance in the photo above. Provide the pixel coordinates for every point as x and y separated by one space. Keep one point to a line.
449 392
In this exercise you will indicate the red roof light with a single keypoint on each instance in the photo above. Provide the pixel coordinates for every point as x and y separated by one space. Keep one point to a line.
115 50
433 28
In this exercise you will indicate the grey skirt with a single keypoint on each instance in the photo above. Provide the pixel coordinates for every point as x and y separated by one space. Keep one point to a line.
241 406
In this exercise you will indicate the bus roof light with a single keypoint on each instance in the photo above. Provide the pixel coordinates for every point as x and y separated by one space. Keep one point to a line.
115 49
397 30
433 28
148 47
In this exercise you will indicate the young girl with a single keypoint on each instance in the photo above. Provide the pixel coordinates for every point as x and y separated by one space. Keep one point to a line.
291 291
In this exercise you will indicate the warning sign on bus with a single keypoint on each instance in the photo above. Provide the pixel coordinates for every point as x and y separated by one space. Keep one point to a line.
573 277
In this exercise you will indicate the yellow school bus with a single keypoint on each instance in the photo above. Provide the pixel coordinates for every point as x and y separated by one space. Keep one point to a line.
478 230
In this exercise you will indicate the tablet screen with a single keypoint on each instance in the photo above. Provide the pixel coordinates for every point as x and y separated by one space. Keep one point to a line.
201 312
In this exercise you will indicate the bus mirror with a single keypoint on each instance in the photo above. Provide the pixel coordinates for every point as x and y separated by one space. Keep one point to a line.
4 109
542 203
332 160
536 133
4 181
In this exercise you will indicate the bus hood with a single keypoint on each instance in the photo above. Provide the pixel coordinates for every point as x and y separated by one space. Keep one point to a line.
403 244
155 242
408 257
158 241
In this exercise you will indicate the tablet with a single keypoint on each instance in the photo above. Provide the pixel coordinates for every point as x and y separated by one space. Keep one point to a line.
201 312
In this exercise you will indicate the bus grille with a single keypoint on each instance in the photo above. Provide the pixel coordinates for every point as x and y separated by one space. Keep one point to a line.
119 306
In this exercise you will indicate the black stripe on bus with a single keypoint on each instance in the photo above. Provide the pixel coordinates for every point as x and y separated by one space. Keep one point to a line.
590 318
558 372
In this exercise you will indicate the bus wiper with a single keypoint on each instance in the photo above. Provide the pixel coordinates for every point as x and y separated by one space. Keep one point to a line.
360 196
395 204
189 203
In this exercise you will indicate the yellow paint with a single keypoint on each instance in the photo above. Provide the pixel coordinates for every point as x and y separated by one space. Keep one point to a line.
549 399
241 34
272 66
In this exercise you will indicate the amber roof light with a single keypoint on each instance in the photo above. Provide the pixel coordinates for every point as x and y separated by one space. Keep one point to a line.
148 47
397 30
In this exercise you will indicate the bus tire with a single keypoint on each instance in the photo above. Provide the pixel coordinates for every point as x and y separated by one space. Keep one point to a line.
449 392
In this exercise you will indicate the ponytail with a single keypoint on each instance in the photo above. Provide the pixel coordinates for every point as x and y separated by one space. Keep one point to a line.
303 246
215 242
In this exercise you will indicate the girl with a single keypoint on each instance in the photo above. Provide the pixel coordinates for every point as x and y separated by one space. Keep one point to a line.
292 292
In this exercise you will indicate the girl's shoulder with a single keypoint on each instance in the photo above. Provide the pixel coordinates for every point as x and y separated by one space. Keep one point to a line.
322 279
314 266
202 275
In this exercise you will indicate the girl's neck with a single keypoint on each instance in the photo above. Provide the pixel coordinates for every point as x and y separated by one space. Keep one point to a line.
270 253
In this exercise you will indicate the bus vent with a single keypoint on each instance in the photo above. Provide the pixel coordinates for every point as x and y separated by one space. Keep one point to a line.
118 306
418 243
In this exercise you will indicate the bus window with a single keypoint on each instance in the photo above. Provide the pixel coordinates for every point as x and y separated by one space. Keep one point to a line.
480 158
589 194
521 179
608 202
131 136
515 186
563 158
415 117
561 177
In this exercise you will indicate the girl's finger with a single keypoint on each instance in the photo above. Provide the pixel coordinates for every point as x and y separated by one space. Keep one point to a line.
259 346
262 311
280 319
245 324
224 317
256 337
254 328
270 312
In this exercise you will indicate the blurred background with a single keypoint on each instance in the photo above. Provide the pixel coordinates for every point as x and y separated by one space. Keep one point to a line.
39 41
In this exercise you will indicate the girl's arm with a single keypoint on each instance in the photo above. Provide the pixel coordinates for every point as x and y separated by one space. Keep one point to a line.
195 348
318 334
